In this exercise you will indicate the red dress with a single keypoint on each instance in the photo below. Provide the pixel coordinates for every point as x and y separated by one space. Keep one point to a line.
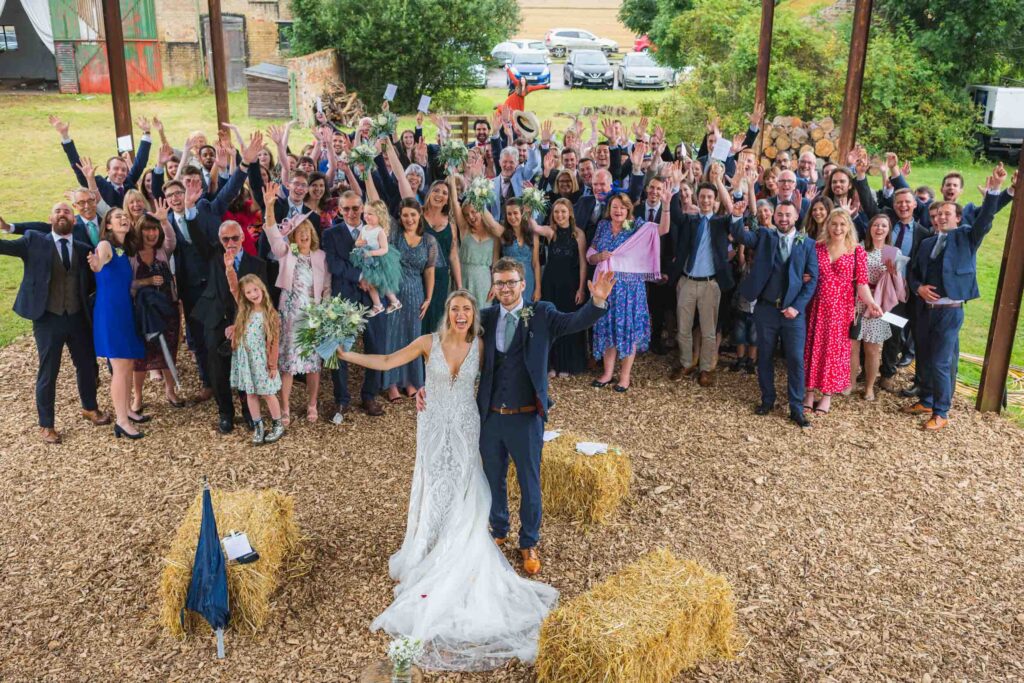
827 351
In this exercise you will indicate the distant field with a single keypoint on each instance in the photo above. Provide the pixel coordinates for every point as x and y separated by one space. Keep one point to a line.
597 16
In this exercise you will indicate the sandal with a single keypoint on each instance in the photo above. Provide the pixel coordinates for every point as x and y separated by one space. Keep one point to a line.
312 414
394 307
286 418
395 399
375 311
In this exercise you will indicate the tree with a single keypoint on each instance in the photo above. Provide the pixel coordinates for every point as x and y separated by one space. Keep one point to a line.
638 15
654 17
426 47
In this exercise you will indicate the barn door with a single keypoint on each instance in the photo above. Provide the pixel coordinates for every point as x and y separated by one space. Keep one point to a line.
234 43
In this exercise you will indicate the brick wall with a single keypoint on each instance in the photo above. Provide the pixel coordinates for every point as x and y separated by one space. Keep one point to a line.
180 62
313 73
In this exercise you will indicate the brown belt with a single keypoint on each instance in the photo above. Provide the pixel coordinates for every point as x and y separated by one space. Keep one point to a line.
952 305
514 411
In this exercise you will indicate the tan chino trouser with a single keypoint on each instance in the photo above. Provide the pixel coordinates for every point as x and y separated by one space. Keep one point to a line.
694 296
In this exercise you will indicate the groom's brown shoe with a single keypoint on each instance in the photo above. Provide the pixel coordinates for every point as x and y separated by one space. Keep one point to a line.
531 560
97 417
500 542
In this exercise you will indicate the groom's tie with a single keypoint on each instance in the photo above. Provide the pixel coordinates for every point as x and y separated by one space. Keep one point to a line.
510 330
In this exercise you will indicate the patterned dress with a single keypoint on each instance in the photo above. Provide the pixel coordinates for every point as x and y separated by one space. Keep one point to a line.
292 303
827 349
524 254
627 326
442 278
873 330
476 258
249 362
404 325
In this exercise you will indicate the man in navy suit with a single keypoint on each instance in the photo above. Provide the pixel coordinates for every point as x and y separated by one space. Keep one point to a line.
119 177
660 295
590 208
54 295
782 280
87 222
944 274
346 280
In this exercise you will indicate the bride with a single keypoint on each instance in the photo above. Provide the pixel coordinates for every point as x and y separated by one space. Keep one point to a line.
457 593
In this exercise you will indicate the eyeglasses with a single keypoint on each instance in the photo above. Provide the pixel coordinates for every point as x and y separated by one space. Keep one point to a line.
231 238
506 284
85 202
176 193
346 209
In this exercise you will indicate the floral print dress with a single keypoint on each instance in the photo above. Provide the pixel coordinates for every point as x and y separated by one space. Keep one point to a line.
827 349
292 319
249 361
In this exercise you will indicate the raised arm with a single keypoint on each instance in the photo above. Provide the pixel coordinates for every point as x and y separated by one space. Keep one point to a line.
142 156
419 347
159 212
493 226
278 243
404 188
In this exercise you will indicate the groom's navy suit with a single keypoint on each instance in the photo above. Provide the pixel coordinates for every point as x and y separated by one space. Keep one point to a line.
512 380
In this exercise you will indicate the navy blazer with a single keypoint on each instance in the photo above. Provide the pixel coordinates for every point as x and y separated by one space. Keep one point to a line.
545 326
968 216
107 190
687 229
337 243
803 260
36 250
959 262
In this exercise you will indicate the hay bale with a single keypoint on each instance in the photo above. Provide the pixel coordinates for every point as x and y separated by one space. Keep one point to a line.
587 489
268 518
643 625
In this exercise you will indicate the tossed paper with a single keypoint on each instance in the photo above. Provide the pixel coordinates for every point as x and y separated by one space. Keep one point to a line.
319 105
894 319
722 149
125 144
236 545
390 92
424 105
551 436
591 447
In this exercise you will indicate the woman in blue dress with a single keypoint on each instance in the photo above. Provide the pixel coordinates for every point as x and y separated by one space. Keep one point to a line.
626 329
522 244
113 323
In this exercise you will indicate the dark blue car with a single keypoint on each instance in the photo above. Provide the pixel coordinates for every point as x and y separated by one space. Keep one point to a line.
533 66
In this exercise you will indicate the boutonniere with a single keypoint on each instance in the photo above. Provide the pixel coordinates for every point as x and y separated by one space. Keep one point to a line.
800 237
525 316
119 251
295 249
629 226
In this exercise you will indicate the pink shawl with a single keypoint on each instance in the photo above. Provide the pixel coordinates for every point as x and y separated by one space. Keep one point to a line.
890 289
640 254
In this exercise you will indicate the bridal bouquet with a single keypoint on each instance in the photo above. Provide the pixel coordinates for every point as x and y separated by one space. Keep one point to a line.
403 653
480 193
534 201
383 125
327 325
452 154
363 155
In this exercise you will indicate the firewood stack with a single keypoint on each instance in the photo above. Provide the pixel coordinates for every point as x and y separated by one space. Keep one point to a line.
796 136
343 108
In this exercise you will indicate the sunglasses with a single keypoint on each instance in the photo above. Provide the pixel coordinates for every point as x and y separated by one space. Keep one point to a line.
346 209
231 238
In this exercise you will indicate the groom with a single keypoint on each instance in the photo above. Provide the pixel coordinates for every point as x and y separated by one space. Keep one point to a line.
513 393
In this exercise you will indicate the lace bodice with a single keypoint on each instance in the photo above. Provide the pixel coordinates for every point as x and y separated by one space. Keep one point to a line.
448 393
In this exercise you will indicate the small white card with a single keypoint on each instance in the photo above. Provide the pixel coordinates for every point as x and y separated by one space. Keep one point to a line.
125 143
390 92
894 319
424 105
591 447
551 436
236 545
319 105
722 149
682 151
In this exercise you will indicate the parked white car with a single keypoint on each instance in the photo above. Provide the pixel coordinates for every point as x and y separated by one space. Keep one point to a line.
503 51
561 41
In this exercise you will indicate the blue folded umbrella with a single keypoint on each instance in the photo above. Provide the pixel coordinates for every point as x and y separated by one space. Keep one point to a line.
208 592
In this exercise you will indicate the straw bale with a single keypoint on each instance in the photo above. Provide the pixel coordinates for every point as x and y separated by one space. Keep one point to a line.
643 625
268 518
581 488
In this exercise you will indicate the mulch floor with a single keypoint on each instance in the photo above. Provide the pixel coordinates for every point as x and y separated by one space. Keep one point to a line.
862 549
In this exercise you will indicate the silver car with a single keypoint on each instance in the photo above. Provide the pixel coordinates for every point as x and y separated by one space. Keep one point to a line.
638 70
561 41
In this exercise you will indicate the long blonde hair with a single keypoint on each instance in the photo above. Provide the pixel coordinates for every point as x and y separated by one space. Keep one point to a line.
475 330
271 320
851 232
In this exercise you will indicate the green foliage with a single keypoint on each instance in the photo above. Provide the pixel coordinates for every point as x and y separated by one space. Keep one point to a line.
426 47
637 15
904 107
968 42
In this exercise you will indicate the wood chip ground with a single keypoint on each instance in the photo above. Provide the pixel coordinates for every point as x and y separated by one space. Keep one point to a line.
860 550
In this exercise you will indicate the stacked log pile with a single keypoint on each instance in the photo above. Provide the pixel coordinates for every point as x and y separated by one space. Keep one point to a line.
342 107
796 136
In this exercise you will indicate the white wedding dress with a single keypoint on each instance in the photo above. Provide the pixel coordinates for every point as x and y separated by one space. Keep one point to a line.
457 592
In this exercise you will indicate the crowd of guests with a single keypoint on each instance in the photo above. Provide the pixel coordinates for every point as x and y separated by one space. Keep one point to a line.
225 241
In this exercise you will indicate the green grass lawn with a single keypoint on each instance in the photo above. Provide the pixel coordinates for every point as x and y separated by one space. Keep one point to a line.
30 139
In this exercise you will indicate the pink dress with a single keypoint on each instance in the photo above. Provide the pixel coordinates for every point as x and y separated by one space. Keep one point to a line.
827 351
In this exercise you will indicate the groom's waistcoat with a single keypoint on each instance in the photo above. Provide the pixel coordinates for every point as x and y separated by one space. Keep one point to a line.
512 387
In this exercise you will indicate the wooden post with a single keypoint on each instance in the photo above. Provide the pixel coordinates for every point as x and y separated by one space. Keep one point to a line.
764 53
854 76
118 75
219 63
1006 308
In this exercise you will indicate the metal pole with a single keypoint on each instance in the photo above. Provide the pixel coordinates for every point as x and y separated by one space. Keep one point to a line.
764 53
118 75
1006 308
854 76
220 72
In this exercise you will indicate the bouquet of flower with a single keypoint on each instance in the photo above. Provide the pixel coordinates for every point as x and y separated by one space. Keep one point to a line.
480 193
383 125
327 325
403 653
452 155
363 155
534 201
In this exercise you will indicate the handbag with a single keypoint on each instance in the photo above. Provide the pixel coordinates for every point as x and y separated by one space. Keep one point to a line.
855 324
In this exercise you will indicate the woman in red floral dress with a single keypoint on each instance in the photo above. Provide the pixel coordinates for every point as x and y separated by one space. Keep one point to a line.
827 350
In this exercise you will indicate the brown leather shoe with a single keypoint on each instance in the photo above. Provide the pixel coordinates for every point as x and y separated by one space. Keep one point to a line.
935 423
676 374
917 409
49 435
204 395
691 371
531 560
706 378
500 542
372 408
97 417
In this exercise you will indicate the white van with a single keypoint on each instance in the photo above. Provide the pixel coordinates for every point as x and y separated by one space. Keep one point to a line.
1002 110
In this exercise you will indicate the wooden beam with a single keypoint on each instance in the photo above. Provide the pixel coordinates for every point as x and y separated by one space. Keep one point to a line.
118 71
219 63
764 53
1006 308
855 76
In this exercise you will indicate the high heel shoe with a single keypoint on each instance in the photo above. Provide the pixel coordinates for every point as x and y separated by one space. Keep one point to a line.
140 419
119 432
